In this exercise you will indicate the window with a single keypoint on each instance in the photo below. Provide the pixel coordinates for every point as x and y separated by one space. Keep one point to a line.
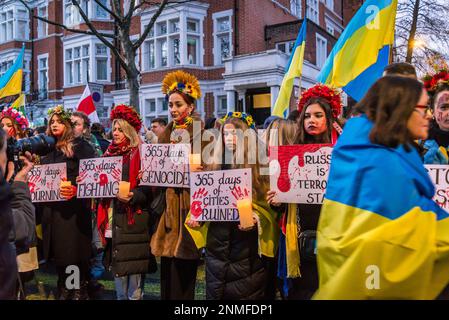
6 26
165 47
321 50
313 10
77 65
43 76
22 25
222 106
295 8
286 47
99 11
101 59
42 27
4 66
222 36
72 15
330 29
330 4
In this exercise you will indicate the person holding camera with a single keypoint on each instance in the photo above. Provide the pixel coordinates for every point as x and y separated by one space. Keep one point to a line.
17 221
66 225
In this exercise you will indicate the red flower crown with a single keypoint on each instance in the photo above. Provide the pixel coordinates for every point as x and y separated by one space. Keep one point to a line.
431 82
16 116
332 96
127 113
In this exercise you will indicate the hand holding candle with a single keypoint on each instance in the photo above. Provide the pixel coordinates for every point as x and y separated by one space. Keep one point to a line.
123 189
195 162
245 208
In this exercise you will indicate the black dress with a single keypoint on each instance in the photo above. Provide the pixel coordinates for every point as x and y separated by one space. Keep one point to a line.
67 225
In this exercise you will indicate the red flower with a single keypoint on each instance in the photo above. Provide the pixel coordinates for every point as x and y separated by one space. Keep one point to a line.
332 96
128 114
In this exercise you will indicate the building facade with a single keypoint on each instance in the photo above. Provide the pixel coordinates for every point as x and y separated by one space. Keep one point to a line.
238 49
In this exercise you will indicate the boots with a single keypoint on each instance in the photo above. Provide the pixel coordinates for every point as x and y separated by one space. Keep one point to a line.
82 292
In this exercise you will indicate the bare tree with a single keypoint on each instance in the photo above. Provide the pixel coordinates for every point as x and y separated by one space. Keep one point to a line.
122 47
422 31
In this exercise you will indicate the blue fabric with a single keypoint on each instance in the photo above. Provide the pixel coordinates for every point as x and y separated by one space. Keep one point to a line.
433 154
362 166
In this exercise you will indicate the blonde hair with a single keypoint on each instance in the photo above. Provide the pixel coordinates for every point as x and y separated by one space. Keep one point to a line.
65 142
260 182
284 134
128 131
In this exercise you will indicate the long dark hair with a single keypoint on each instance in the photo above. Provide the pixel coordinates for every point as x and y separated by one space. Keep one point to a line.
389 103
302 136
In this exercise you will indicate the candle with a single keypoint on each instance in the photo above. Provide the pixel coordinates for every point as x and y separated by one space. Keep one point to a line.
194 161
66 184
123 188
245 208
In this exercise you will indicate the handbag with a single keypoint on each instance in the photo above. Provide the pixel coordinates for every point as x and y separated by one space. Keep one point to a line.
307 245
158 204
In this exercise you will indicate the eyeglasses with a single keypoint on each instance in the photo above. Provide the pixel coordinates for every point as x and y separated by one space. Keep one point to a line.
427 111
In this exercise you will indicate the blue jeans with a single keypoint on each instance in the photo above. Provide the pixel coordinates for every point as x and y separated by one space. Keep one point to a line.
129 287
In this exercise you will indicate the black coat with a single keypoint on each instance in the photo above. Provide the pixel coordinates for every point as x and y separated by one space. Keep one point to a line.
234 269
8 265
129 251
104 144
67 225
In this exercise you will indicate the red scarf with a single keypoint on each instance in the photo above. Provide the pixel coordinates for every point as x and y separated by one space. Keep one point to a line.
131 156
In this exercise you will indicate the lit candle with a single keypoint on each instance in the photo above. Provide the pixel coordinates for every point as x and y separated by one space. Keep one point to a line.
66 184
123 188
194 161
245 208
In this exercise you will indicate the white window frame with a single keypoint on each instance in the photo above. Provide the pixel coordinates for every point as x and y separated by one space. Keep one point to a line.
7 21
217 49
287 46
217 96
41 25
295 6
18 19
94 10
39 69
83 73
319 63
330 29
329 4
313 11
76 18
183 13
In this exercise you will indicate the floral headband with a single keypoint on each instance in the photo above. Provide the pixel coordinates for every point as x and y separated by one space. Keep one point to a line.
332 96
15 115
180 81
60 111
240 115
431 82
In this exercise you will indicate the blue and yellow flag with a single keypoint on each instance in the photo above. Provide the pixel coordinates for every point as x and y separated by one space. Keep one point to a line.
363 50
380 234
292 71
11 81
19 103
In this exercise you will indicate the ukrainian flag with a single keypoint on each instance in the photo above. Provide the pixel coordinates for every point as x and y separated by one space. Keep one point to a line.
19 103
380 236
363 50
292 71
11 81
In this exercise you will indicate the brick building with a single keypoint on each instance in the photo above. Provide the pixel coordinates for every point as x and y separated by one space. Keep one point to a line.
238 49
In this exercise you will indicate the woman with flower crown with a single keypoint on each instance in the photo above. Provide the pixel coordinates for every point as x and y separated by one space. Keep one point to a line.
319 108
124 223
171 240
13 122
240 261
67 225
436 146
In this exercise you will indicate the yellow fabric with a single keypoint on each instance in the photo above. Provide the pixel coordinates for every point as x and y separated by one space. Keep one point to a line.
39 231
345 70
291 243
409 255
19 103
14 86
443 152
268 240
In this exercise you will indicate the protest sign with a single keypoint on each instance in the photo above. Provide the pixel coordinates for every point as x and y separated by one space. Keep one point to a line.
214 194
44 182
99 177
439 174
298 173
165 165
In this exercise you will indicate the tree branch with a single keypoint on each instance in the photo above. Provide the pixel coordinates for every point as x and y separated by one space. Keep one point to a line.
145 33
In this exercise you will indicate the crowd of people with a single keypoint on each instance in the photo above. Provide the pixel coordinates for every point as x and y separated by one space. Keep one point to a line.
295 250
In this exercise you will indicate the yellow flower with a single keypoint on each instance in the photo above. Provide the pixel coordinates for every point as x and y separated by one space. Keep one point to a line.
237 114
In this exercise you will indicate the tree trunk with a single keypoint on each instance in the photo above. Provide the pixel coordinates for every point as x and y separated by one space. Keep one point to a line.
411 39
133 88
132 73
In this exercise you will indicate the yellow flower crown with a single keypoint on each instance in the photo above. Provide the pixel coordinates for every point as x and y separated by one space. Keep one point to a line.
60 111
180 81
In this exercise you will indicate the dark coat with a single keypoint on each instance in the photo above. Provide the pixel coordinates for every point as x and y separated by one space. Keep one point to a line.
104 144
8 265
129 251
67 225
234 269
